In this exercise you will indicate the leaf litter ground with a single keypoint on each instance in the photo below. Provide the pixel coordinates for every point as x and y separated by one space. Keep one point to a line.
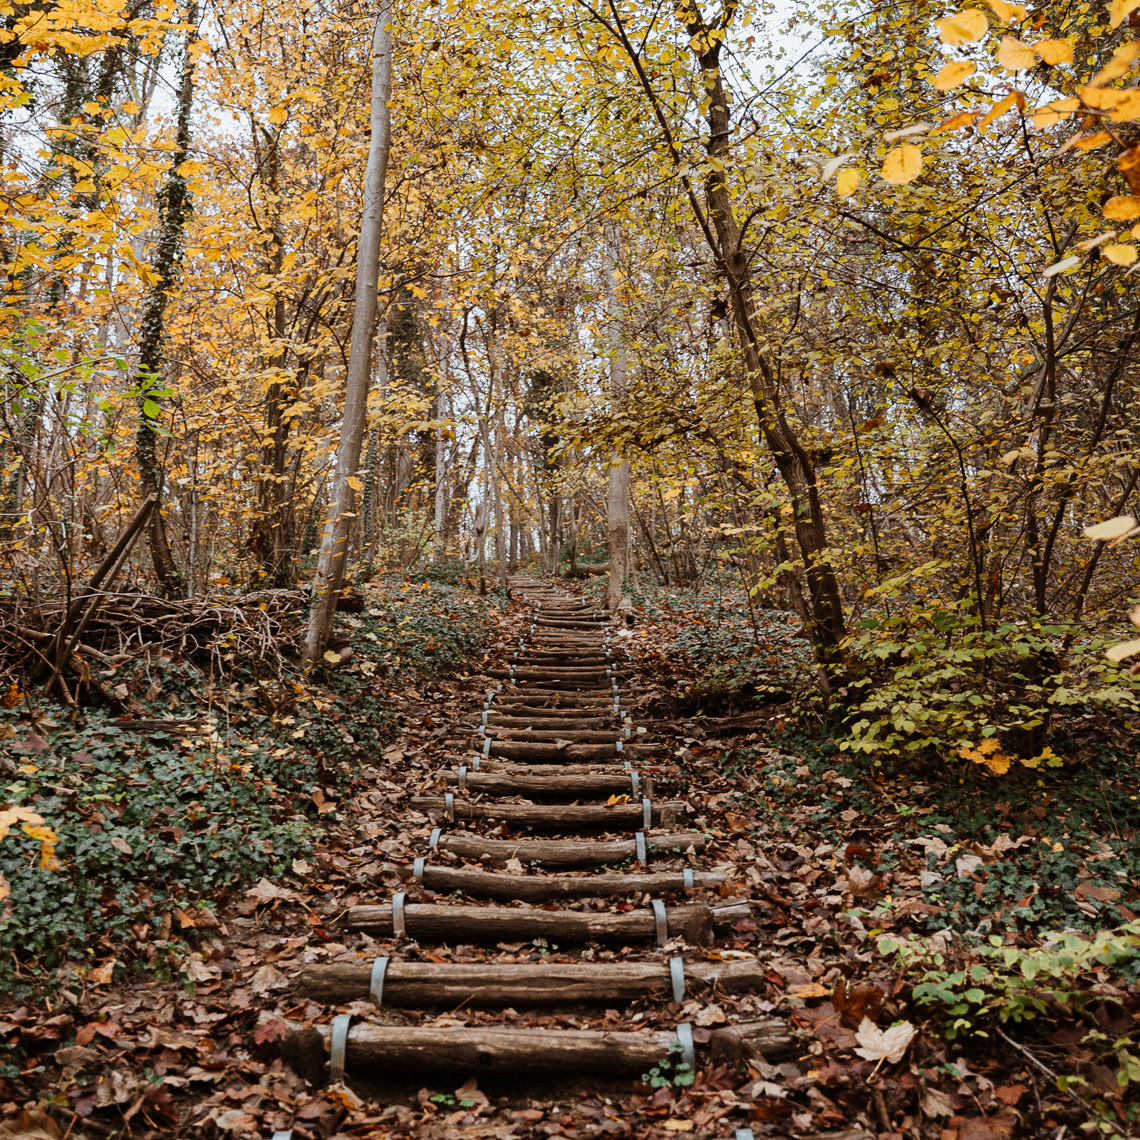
832 854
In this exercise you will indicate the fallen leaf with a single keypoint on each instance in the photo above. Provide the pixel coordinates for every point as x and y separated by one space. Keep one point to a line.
888 1045
267 978
674 1124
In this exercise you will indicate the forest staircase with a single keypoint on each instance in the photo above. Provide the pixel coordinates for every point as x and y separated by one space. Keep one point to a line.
554 809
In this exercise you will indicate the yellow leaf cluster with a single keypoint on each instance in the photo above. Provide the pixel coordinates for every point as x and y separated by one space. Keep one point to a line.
34 827
988 754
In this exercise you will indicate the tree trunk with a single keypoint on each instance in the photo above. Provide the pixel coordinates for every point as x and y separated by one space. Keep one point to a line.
617 494
173 210
329 575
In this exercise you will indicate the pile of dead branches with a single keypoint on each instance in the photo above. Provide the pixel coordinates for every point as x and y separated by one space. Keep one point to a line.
69 645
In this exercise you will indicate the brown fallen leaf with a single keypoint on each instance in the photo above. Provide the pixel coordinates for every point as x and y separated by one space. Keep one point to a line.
267 978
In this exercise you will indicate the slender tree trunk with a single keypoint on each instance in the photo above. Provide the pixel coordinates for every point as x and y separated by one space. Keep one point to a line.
173 210
617 493
721 231
339 519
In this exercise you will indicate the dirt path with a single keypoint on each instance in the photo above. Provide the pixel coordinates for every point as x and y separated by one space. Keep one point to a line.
558 931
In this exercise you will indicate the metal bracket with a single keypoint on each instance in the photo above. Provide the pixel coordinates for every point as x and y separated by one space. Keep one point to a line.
449 805
661 921
640 845
646 813
688 1052
745 1134
398 929
635 782
486 714
475 761
619 746
338 1046
461 779
418 870
433 839
687 878
283 1134
677 977
487 746
376 981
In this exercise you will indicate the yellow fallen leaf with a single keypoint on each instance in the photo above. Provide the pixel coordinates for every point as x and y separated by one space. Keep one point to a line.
1109 529
953 75
1124 649
1122 208
1127 106
809 990
676 1125
1005 11
1054 52
1055 112
902 165
1119 254
332 657
1013 55
355 483
955 122
1120 10
1000 108
847 183
1121 61
963 27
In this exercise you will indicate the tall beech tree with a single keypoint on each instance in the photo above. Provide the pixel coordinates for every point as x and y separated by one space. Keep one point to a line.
340 516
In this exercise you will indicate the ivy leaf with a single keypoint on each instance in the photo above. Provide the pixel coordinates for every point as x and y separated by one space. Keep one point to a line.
151 409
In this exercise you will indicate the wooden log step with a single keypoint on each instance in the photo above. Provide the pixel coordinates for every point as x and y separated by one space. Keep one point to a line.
570 852
512 768
570 623
535 721
543 735
545 888
551 674
554 783
556 704
443 921
550 688
564 817
428 984
494 1051
543 751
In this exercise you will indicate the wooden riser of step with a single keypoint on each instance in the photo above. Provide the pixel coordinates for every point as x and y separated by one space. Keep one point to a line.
590 690
424 985
570 623
379 1049
554 753
553 705
441 922
548 888
569 656
555 784
553 723
571 853
602 676
611 735
555 817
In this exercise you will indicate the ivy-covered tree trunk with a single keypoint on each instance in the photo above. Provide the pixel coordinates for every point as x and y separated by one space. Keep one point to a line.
329 577
174 205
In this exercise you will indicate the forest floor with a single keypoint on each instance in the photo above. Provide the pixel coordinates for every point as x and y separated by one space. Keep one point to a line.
916 919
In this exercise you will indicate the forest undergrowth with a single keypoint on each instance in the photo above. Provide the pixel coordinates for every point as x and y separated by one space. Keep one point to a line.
956 951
